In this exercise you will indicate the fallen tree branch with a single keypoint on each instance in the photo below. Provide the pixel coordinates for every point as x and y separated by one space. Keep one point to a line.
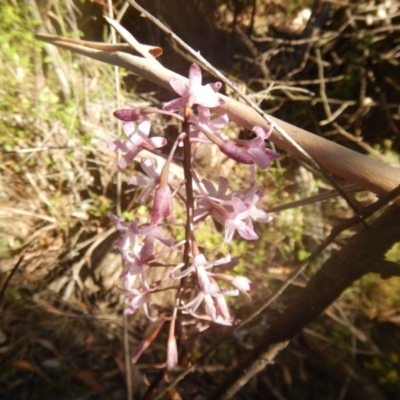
370 174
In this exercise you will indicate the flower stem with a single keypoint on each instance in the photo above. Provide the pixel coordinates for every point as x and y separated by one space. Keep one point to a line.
187 168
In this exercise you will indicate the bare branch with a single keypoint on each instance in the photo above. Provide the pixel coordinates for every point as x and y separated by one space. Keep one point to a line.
385 268
267 357
368 173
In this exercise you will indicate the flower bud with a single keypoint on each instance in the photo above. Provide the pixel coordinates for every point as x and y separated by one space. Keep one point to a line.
128 114
162 206
239 154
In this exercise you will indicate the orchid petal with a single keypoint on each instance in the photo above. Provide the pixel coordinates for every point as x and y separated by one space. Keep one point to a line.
148 168
139 181
172 353
260 157
211 310
178 85
157 142
174 105
194 76
126 159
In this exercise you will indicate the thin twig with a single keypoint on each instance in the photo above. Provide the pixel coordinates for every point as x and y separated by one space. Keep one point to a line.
267 357
315 198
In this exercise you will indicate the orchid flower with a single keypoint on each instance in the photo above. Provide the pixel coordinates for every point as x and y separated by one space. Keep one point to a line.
151 180
137 299
239 220
251 151
194 93
204 123
138 141
200 266
138 263
215 305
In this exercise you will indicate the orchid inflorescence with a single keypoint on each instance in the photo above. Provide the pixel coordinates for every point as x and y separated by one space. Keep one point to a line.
196 280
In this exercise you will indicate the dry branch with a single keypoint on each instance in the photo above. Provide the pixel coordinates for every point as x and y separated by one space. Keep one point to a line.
370 174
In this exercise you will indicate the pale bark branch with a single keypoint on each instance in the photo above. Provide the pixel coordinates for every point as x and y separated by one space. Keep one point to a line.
370 174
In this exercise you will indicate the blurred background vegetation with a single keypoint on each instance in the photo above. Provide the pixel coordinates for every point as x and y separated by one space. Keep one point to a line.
329 67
